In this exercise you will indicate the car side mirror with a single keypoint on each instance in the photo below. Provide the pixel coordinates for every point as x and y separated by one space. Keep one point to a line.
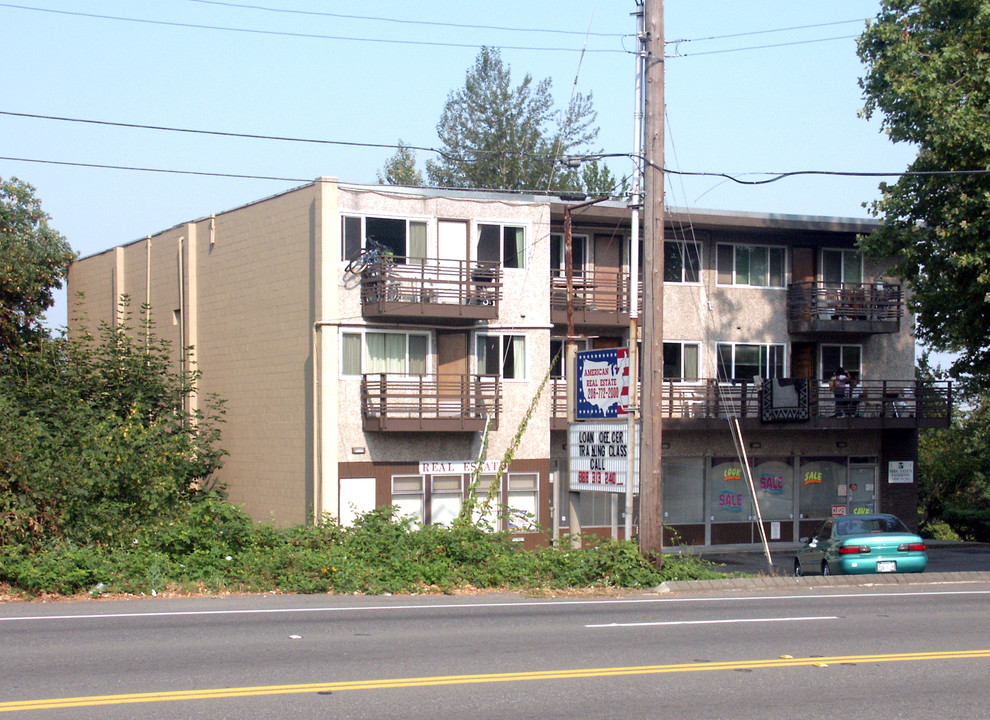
814 542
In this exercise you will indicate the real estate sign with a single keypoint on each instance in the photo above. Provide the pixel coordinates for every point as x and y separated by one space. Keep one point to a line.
599 457
602 390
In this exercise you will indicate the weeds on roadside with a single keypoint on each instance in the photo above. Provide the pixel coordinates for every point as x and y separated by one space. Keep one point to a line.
215 547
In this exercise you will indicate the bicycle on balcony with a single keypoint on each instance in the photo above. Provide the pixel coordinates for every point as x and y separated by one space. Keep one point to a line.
372 255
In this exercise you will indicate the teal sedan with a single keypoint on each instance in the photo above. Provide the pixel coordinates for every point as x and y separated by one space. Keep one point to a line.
860 544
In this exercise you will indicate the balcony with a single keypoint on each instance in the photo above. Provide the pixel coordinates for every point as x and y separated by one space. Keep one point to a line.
873 404
430 403
601 297
413 289
818 308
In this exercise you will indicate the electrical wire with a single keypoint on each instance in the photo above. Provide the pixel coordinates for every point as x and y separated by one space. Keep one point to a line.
428 23
310 36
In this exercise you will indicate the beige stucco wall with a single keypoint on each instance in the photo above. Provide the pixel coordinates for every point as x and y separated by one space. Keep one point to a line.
257 285
525 309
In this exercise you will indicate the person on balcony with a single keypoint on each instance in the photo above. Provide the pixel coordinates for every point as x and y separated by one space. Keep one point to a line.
840 391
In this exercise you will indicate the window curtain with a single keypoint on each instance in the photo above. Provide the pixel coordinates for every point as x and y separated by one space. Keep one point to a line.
417 243
386 352
350 354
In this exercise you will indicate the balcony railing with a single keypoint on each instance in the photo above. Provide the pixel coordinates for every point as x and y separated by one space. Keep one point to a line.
871 403
601 297
818 307
430 403
417 289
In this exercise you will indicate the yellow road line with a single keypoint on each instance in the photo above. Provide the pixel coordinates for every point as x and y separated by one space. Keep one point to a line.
215 693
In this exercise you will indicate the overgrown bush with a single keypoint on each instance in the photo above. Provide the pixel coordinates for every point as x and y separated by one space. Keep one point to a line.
213 546
96 439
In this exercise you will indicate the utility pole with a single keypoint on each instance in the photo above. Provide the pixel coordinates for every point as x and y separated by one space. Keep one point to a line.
650 491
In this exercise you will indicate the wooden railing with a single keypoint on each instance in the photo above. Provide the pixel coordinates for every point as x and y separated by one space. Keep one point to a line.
433 288
432 403
928 403
861 307
601 294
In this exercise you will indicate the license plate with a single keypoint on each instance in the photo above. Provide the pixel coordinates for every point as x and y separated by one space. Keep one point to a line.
886 566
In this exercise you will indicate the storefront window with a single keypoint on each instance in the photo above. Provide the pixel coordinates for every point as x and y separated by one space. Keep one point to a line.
683 490
773 479
408 497
728 495
819 482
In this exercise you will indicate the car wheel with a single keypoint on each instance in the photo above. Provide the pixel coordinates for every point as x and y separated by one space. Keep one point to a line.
797 568
826 570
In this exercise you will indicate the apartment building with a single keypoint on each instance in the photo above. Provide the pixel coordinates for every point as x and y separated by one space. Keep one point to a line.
400 378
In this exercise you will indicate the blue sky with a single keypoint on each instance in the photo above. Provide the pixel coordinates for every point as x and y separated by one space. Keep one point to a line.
775 90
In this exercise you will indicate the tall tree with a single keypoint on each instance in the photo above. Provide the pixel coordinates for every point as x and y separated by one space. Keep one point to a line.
34 260
504 137
400 169
928 77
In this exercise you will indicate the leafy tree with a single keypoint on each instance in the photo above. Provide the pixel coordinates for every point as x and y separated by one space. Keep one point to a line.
954 462
34 259
401 168
599 181
96 439
954 472
504 137
928 76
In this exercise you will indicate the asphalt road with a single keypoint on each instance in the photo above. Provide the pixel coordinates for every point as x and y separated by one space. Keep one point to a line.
918 651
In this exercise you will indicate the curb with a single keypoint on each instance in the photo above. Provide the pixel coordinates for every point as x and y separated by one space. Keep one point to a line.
780 582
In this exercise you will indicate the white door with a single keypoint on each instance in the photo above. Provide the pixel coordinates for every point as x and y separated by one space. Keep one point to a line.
357 496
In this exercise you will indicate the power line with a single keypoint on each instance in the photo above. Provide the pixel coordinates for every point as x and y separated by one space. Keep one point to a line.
428 23
756 32
455 157
761 47
282 33
776 176
156 170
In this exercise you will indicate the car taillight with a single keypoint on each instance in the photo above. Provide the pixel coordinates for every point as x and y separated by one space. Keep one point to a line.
854 549
911 547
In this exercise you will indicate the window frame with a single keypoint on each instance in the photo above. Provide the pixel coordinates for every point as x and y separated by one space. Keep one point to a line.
481 336
362 333
347 250
856 370
682 246
750 247
503 255
844 253
770 348
558 260
682 378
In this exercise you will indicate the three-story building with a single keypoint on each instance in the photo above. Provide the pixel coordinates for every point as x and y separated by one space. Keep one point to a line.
380 345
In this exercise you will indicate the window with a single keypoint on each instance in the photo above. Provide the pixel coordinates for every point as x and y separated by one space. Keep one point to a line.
681 361
523 511
502 243
503 355
842 266
487 508
847 357
445 499
406 239
683 499
384 352
558 251
751 265
558 349
742 361
681 261
407 496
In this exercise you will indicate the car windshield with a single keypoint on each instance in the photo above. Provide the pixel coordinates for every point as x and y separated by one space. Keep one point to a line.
868 525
